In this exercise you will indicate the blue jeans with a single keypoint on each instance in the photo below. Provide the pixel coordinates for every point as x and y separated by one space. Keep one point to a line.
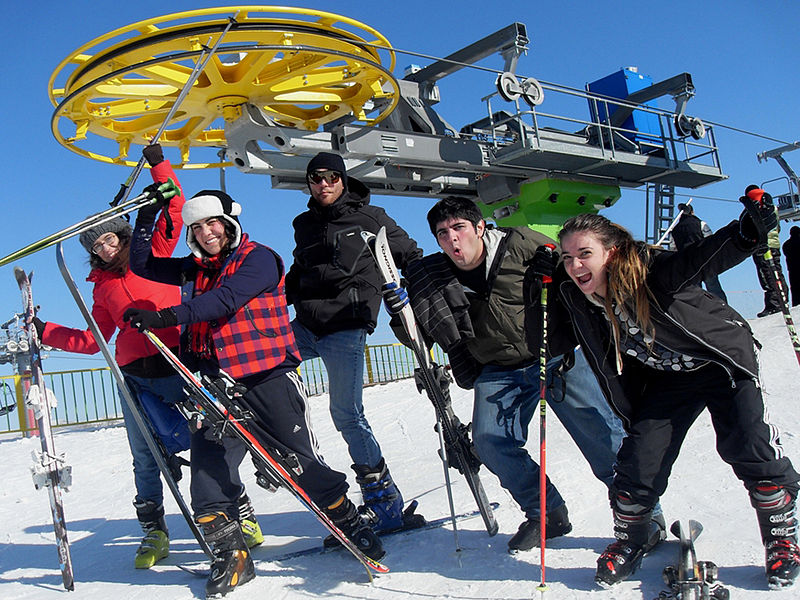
506 400
146 475
585 414
343 355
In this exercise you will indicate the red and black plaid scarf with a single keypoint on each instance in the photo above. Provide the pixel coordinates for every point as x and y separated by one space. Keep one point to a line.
201 342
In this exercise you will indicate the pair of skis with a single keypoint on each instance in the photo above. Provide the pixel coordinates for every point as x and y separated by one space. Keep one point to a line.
215 402
457 450
50 470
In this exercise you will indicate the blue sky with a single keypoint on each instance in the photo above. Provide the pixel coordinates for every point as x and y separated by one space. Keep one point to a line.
742 56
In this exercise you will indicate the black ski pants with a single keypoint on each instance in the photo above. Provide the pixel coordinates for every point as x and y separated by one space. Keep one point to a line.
665 409
280 421
766 269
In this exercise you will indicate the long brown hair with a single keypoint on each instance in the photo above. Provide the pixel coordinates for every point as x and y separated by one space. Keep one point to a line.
626 268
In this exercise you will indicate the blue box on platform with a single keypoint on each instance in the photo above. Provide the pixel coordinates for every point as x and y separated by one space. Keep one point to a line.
622 84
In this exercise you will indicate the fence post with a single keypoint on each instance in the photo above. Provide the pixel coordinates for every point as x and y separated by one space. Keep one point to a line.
368 358
22 412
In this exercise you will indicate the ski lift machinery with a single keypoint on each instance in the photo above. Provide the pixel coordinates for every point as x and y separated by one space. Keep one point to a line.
287 83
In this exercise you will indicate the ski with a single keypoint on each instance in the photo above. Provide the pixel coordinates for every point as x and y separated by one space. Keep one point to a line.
690 578
154 445
215 401
433 379
49 470
316 550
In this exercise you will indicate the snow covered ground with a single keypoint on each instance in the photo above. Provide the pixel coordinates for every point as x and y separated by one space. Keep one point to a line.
104 532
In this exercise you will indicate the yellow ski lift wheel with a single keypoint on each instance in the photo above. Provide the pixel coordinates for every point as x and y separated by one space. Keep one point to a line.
304 68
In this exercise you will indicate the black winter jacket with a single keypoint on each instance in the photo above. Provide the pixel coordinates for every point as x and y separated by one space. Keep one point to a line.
334 283
686 318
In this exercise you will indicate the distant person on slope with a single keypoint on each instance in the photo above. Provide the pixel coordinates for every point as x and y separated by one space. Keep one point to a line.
663 352
150 379
791 252
766 269
689 230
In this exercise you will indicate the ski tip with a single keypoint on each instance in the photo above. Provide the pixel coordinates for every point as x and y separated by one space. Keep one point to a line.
676 529
695 529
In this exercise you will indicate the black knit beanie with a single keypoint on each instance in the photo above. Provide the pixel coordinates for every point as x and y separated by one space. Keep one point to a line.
329 161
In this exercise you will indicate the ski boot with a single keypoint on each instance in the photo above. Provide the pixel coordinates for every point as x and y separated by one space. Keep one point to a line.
232 565
250 527
383 502
632 523
529 533
155 543
657 532
777 520
345 516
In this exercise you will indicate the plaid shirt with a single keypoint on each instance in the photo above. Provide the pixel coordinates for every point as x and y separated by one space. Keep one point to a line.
258 336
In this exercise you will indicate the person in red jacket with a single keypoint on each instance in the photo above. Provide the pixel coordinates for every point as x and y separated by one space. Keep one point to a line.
150 379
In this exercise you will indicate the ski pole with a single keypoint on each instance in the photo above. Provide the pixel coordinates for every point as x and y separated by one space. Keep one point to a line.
757 195
542 587
199 66
664 237
167 189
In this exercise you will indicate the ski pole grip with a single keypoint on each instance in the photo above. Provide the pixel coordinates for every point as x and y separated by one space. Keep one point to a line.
169 189
550 249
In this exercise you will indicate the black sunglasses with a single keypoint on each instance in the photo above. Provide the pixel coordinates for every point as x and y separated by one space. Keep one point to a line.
330 176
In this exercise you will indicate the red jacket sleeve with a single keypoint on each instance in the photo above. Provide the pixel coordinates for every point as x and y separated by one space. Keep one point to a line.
79 340
162 245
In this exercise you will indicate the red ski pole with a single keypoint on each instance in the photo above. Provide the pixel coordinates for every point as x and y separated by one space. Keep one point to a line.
757 195
542 587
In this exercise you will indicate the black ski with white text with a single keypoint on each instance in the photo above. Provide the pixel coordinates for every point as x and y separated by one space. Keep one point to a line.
433 379
214 401
49 471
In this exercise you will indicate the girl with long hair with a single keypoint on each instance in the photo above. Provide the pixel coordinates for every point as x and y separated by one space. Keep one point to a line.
664 350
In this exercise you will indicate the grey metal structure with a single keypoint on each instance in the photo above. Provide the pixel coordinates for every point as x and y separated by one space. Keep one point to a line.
789 201
659 210
416 152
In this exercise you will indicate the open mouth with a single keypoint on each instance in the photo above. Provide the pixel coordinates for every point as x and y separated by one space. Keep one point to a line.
583 279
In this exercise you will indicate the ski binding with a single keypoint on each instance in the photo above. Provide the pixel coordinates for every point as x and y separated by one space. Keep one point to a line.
691 579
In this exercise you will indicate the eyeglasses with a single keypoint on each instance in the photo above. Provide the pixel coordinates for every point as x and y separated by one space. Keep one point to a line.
110 239
330 176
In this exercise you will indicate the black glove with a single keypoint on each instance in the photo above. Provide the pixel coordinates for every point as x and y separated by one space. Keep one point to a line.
758 217
142 319
153 154
147 214
544 262
39 325
394 297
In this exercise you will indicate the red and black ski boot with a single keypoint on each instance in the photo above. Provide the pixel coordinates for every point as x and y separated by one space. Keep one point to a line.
777 518
620 559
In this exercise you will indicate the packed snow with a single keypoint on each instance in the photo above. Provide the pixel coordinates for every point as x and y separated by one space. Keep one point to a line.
104 532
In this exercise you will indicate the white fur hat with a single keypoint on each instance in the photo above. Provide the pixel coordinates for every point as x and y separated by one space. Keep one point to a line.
205 205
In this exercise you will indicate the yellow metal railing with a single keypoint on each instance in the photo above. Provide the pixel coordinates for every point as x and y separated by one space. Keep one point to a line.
87 396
